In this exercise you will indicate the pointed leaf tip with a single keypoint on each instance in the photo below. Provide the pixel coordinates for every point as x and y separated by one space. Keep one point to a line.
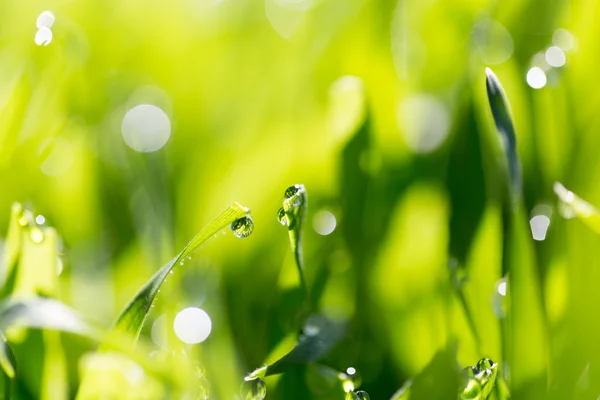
504 124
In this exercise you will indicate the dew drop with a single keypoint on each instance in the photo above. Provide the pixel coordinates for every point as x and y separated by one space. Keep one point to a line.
171 272
254 389
40 219
282 217
181 263
485 363
291 191
352 396
362 395
23 221
242 227
36 235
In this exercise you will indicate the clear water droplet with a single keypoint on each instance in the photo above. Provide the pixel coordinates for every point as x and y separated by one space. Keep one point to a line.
181 262
242 227
23 221
485 363
171 272
291 191
282 217
352 396
253 389
36 235
189 257
40 219
362 395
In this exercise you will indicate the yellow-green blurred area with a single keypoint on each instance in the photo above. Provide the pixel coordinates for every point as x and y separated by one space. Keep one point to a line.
130 125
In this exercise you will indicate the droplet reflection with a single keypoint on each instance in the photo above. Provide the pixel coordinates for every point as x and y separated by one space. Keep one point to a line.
43 37
146 128
242 227
192 325
563 39
45 20
555 57
539 227
492 41
424 122
536 78
324 223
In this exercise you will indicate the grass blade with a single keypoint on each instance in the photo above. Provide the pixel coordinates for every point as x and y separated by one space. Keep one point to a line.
292 215
502 118
132 318
320 334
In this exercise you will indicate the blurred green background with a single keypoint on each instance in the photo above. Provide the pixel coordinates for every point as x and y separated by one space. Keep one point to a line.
379 109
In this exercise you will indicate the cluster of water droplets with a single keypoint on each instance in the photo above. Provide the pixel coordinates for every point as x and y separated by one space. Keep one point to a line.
293 197
242 227
35 225
479 379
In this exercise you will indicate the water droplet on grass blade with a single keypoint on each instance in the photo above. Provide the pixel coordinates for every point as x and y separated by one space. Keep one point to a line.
242 227
291 191
362 395
282 217
253 389
40 219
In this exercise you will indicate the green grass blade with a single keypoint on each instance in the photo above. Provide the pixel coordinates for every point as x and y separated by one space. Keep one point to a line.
504 124
581 208
320 334
292 215
132 318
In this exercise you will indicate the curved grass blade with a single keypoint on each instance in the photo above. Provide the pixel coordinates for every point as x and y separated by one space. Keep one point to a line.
320 334
582 209
292 215
132 318
504 125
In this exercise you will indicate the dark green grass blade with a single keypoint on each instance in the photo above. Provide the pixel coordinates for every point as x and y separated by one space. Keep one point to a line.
319 336
502 118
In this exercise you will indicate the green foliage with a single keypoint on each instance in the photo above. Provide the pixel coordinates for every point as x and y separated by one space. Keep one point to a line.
433 237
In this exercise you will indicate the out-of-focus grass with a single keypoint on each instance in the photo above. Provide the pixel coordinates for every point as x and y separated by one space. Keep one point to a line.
351 98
